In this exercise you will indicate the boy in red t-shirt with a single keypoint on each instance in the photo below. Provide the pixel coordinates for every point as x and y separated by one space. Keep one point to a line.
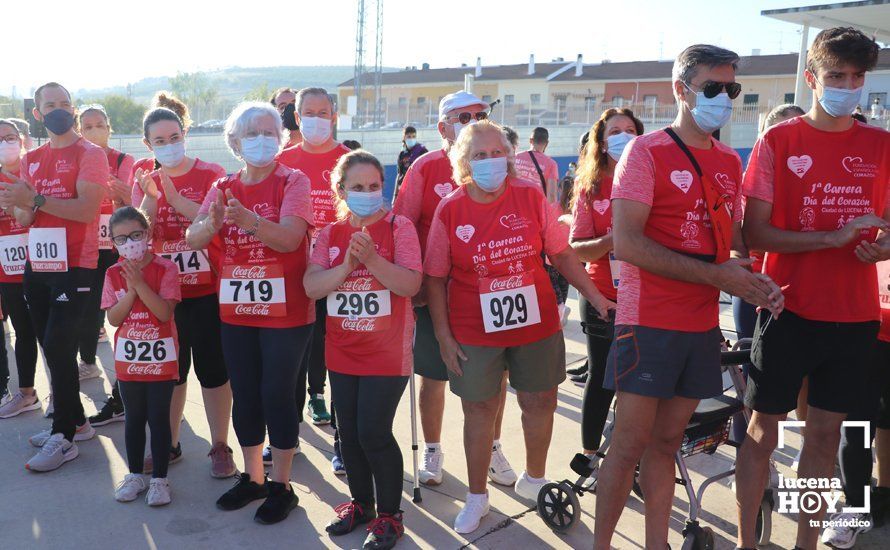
816 187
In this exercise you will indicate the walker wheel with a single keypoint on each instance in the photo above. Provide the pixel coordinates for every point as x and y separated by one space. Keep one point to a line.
558 506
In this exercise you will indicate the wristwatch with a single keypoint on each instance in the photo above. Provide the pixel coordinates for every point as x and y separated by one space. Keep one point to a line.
39 201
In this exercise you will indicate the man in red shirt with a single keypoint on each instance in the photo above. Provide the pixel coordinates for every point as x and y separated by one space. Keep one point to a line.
58 196
676 228
427 182
534 165
816 187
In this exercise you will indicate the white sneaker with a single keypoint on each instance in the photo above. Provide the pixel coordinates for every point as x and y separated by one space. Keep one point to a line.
49 406
128 489
85 371
17 403
471 515
431 472
499 470
158 492
564 312
528 489
82 433
844 529
55 451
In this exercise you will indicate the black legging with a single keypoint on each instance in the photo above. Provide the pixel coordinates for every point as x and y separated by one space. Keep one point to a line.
315 370
597 400
854 459
16 308
147 402
366 406
94 316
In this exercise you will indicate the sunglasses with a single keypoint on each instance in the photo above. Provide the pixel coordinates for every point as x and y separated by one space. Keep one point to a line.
121 240
713 89
465 118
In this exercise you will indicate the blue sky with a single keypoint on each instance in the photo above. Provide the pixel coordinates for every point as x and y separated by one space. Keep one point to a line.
97 43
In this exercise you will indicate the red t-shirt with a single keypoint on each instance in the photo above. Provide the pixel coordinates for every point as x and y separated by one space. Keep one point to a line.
818 181
259 287
499 293
655 171
317 168
591 218
197 275
55 173
120 165
884 295
13 244
145 349
427 182
525 167
358 326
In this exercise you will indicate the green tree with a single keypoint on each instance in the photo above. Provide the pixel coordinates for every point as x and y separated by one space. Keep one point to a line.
125 114
11 108
260 92
198 92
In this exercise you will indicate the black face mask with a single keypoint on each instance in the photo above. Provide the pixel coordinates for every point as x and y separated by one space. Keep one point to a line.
288 118
58 121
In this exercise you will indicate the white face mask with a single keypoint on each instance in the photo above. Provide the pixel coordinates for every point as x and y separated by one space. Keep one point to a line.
10 152
315 130
133 250
170 155
458 127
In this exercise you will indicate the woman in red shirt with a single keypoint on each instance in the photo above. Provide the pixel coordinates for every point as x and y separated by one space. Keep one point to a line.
493 307
367 265
13 255
591 237
263 214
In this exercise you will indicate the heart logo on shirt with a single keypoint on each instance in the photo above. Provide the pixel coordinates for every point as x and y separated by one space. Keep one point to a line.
601 206
682 179
443 189
724 181
326 176
333 252
800 165
33 168
507 221
850 162
465 232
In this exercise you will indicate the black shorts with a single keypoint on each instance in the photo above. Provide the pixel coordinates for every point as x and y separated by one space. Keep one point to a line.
427 358
879 384
198 325
835 357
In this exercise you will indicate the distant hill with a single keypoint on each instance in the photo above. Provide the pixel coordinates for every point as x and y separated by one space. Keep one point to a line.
234 82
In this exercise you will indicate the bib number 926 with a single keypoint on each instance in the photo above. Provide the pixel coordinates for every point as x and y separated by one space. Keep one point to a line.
145 352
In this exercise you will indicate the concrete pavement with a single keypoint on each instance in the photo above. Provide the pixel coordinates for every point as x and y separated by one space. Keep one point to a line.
74 506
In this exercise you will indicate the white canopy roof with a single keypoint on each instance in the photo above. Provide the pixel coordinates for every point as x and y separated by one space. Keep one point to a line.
870 16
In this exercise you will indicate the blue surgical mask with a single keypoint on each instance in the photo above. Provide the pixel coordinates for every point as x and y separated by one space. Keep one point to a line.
489 174
58 121
364 204
616 143
713 113
840 102
170 155
259 151
410 143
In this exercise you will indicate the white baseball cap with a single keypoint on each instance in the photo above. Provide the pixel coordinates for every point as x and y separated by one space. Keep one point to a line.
458 100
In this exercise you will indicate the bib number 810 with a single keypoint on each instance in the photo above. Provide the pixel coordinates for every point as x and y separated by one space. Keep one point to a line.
46 250
509 310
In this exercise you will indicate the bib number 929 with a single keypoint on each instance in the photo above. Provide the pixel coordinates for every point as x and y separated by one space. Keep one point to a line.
509 302
508 311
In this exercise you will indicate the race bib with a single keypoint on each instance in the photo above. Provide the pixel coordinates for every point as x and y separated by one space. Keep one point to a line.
104 232
193 265
615 268
360 310
48 249
509 302
14 253
142 352
145 353
252 290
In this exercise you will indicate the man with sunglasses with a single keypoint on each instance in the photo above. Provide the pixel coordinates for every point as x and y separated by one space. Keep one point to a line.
58 196
676 207
426 183
817 187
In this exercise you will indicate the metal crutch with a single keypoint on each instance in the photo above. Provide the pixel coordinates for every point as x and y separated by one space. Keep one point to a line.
417 497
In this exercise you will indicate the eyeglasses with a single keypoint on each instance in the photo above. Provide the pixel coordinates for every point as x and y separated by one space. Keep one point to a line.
465 117
712 89
121 240
92 107
11 138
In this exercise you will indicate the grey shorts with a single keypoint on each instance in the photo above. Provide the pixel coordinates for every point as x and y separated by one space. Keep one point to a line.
534 367
665 363
427 358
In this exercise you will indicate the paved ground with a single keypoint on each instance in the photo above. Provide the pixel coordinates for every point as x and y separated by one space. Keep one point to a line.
74 507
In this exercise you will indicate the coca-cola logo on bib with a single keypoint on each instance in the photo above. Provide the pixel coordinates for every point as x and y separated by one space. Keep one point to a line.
188 278
150 369
506 283
359 284
358 325
252 309
250 272
142 333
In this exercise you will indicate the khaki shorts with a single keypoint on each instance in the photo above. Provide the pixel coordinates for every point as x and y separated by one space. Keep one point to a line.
535 367
427 358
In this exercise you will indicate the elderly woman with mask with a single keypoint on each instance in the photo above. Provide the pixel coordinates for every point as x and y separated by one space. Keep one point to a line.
492 305
263 214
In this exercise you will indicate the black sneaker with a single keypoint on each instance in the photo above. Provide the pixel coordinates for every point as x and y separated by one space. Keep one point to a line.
384 532
580 369
112 411
243 493
278 504
349 516
579 378
880 505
